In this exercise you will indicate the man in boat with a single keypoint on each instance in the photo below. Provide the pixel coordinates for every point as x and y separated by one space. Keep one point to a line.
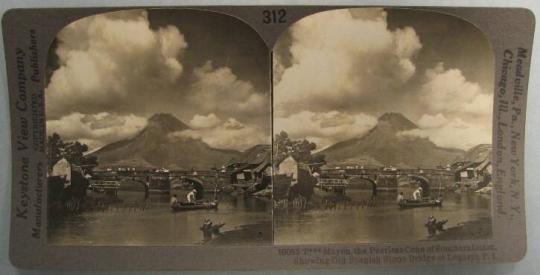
417 195
191 196
174 200
373 189
431 226
147 188
400 197
206 228
210 229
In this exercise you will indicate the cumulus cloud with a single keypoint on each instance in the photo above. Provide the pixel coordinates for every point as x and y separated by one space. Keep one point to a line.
339 57
463 110
112 70
334 69
324 128
96 130
107 58
336 62
202 121
432 121
231 134
447 90
451 133
219 90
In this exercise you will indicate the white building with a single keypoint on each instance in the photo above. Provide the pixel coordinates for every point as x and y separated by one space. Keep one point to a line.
289 167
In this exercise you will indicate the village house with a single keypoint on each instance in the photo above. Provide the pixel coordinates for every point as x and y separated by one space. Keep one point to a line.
252 167
289 168
292 178
473 174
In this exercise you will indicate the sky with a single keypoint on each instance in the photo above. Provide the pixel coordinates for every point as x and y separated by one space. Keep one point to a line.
108 73
336 72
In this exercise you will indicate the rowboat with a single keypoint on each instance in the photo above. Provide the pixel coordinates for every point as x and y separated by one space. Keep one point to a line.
420 203
185 206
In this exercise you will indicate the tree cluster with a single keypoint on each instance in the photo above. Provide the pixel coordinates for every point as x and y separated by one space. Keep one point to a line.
72 151
301 150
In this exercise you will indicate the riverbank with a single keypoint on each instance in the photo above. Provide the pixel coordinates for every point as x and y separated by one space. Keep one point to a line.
249 234
477 229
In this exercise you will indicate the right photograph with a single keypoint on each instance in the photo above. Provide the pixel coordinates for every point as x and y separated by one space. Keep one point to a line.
382 128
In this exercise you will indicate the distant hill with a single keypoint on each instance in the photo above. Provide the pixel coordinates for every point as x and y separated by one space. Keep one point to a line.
155 147
255 154
383 145
478 153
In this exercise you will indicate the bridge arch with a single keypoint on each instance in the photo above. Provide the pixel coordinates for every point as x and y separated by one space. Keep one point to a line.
362 182
195 183
422 182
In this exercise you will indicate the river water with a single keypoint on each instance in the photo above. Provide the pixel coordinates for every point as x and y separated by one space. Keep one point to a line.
384 222
126 223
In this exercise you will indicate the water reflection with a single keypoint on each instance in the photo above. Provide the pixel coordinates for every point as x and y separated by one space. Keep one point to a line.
384 222
135 221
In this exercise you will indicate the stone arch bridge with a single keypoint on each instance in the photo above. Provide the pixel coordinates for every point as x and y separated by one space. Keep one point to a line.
386 179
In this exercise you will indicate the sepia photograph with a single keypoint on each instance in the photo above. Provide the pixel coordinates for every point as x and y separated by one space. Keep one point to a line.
382 124
267 137
158 131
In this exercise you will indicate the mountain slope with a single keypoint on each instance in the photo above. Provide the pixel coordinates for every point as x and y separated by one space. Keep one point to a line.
156 146
478 153
386 146
255 154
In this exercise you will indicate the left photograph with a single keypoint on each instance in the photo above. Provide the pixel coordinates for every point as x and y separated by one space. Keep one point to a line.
159 131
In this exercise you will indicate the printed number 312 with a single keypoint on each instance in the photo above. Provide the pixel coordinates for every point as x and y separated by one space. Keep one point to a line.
274 16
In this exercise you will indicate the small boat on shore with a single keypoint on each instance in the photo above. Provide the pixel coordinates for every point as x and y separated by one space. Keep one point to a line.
186 206
420 203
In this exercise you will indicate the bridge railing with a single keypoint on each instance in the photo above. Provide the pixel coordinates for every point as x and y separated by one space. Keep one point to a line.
104 184
397 172
142 174
332 182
